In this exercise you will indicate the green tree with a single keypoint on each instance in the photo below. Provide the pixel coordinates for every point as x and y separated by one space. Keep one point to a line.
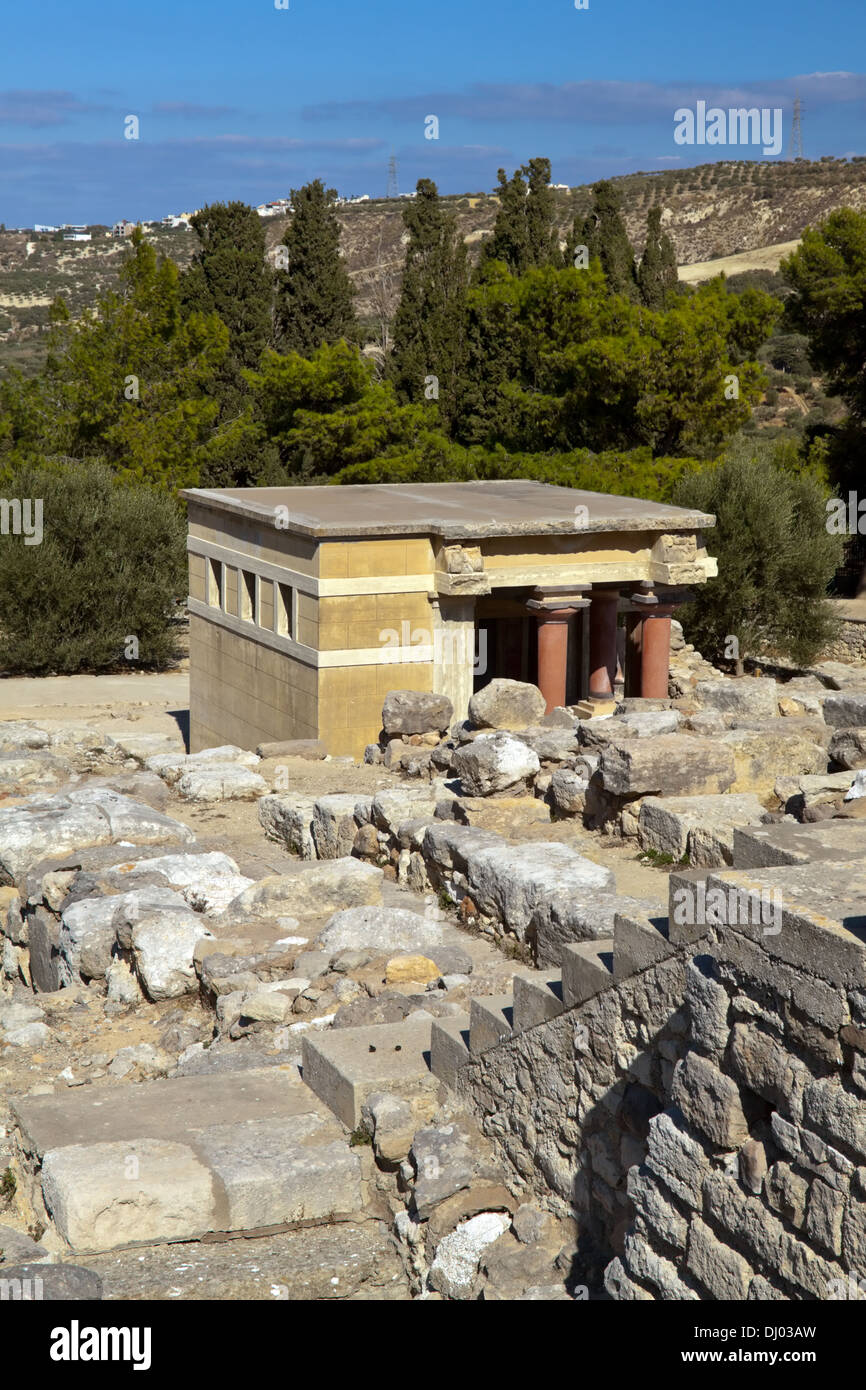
556 362
429 325
604 234
111 566
828 276
229 276
314 293
327 412
776 559
657 273
130 384
524 234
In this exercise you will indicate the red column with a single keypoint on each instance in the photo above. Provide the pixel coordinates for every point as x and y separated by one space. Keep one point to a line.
553 625
602 643
634 633
655 653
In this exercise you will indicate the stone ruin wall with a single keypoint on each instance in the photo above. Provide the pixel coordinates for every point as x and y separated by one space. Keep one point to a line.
703 1119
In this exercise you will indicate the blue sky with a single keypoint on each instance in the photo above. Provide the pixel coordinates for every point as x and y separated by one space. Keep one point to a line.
239 99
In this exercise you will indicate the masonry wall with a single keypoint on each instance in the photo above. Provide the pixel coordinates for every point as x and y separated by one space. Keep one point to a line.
244 693
705 1119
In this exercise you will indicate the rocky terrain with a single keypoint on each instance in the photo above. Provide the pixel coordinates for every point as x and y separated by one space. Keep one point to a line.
277 1025
712 211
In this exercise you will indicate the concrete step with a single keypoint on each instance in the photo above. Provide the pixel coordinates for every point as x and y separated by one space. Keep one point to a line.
587 969
537 997
345 1065
449 1048
638 943
183 1157
490 1021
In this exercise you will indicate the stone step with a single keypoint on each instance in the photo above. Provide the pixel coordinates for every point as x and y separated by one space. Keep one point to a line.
346 1065
537 998
449 1048
183 1157
490 1021
773 846
587 969
639 942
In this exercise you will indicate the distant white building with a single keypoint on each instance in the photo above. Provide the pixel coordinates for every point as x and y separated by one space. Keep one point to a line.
44 227
77 236
123 228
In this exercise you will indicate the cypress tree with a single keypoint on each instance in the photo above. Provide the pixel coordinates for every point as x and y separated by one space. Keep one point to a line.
657 272
314 293
603 233
429 325
229 276
524 236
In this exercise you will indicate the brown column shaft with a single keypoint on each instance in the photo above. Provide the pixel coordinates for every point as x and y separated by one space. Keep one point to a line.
602 644
553 627
655 654
634 633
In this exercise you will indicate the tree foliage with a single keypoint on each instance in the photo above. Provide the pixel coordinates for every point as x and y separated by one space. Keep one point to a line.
429 324
314 295
130 385
776 558
524 235
603 233
111 566
657 273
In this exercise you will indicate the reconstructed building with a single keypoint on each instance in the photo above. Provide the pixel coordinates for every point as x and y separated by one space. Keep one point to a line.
307 605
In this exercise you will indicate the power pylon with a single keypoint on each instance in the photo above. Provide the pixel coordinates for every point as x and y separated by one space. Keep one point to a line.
393 187
795 145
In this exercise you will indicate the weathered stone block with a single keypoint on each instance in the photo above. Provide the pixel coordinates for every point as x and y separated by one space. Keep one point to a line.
723 1273
670 764
710 1101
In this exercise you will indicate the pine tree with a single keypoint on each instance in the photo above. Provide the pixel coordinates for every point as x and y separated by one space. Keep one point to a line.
429 325
604 234
230 277
657 273
314 292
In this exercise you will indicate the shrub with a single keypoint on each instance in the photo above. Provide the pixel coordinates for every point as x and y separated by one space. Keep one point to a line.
776 558
109 567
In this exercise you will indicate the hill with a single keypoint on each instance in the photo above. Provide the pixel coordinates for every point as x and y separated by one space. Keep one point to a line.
712 212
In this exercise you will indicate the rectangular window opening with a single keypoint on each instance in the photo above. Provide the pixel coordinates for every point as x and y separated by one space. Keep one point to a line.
284 609
249 607
215 584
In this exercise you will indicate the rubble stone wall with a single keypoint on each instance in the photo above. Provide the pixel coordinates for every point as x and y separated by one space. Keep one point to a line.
704 1119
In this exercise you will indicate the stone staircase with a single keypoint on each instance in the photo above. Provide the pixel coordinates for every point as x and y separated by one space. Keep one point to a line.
234 1151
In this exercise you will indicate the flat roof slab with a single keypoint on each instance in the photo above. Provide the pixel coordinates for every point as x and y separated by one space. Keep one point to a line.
456 511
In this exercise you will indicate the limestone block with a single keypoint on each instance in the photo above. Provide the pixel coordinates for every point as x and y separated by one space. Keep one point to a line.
669 764
495 763
280 1170
288 820
507 704
700 826
747 695
723 1273
416 712
710 1101
676 1157
144 1190
319 887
